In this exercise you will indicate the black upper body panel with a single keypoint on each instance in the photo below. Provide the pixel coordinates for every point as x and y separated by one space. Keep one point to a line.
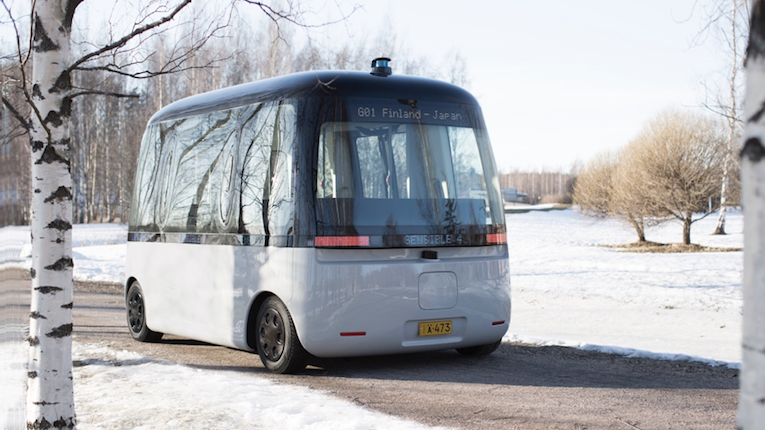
316 84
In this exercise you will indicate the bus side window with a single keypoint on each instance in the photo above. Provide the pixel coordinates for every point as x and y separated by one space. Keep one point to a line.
254 154
265 176
374 175
146 192
442 171
335 175
468 170
280 207
197 156
398 147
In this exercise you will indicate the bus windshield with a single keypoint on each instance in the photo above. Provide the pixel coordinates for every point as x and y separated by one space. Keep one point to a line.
406 183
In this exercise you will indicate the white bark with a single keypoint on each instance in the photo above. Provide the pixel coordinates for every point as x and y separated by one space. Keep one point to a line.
732 114
50 399
751 412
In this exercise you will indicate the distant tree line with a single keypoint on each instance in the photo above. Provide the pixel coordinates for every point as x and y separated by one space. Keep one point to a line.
107 129
671 170
14 154
541 186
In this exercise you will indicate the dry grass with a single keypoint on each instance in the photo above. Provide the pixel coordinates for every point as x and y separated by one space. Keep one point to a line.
667 248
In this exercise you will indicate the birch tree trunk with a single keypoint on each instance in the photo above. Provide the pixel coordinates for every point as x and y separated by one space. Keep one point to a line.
50 399
732 115
751 412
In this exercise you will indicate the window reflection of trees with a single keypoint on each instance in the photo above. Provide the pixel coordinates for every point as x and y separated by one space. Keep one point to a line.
264 182
222 172
280 200
195 188
145 192
374 174
468 169
255 155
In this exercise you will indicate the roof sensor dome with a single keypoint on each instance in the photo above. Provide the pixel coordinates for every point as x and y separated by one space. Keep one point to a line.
380 66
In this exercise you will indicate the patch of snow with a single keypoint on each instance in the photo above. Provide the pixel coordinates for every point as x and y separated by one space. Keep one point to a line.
121 389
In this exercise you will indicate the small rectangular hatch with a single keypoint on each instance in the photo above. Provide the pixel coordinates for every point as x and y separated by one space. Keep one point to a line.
437 290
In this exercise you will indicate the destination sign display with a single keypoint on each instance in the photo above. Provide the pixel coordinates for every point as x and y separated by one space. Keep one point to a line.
393 110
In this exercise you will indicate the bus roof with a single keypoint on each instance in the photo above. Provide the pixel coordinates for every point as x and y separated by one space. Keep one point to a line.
316 84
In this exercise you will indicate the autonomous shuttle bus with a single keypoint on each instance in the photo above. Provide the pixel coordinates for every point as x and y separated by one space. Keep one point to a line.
323 214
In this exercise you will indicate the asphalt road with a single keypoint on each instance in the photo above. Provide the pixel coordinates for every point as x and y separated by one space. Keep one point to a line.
517 387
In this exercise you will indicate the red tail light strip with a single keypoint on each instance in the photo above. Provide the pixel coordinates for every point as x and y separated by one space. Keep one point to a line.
496 238
340 241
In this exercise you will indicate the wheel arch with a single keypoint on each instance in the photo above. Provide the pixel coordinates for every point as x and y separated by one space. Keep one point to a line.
252 319
128 283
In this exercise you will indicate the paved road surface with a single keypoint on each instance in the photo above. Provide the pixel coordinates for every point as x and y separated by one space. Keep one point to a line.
517 387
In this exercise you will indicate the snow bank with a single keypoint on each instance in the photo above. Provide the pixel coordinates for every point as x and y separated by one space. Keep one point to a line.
125 390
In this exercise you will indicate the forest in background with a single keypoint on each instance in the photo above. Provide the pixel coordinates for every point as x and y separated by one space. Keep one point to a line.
108 123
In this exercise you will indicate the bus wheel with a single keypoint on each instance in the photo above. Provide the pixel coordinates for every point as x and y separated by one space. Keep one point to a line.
278 345
136 316
480 350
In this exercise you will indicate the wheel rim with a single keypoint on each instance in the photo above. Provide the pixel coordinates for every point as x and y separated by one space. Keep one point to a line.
135 311
272 334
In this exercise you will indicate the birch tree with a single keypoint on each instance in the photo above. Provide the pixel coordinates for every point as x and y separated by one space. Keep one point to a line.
731 114
751 410
50 402
49 93
727 21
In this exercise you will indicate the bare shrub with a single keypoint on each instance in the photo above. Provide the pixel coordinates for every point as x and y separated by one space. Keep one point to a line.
671 170
601 192
675 166
593 188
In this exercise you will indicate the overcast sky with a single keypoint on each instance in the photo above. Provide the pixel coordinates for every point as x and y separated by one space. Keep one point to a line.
559 80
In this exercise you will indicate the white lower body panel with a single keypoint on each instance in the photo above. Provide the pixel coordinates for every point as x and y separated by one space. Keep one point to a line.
343 302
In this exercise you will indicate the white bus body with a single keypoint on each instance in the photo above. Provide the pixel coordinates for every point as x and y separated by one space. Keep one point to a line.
294 218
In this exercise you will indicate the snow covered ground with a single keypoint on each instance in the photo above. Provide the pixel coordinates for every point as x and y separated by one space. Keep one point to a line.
567 290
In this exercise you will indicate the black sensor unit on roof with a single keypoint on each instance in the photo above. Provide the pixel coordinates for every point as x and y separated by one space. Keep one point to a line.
380 67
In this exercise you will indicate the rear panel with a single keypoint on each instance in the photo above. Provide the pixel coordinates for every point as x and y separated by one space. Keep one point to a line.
359 302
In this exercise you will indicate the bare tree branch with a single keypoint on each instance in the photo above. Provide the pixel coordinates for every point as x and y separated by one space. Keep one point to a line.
22 61
15 113
104 93
125 39
292 17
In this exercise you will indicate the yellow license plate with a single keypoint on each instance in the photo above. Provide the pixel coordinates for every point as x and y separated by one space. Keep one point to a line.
435 328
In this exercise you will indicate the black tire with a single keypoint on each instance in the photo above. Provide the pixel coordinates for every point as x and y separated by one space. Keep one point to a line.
480 350
278 345
136 316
